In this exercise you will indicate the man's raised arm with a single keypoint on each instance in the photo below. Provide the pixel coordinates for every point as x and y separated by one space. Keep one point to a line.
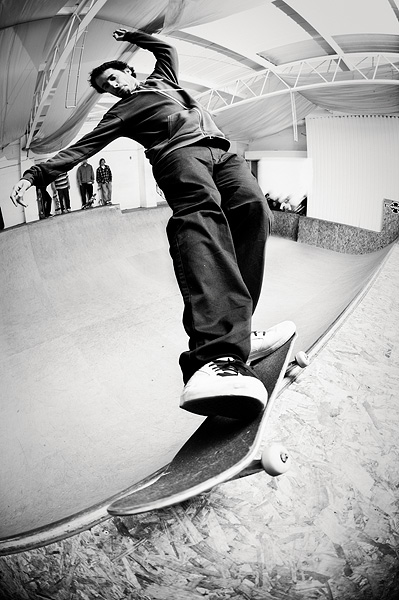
167 62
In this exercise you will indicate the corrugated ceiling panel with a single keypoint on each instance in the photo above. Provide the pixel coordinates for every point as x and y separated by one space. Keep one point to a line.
297 51
370 42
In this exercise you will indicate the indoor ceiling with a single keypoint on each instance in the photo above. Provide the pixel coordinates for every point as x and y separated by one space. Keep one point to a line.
260 66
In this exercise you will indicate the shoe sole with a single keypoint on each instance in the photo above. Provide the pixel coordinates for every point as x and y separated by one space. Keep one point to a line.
260 354
231 406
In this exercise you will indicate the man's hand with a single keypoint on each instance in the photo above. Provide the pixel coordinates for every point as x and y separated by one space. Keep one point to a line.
119 34
18 191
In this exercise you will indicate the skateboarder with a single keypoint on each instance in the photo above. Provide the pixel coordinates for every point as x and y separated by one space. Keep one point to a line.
218 229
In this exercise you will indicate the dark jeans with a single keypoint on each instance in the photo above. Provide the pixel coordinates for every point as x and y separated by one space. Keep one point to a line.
86 192
46 202
63 196
217 237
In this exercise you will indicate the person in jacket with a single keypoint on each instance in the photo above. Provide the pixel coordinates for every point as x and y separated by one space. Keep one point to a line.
85 177
217 232
104 181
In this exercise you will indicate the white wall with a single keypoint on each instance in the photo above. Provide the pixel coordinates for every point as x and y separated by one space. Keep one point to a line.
283 174
355 166
282 141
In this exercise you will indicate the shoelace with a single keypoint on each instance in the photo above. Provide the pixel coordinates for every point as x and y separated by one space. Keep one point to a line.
259 333
227 368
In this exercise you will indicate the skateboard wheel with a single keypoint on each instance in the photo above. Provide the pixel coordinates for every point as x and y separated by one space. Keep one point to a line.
302 359
275 460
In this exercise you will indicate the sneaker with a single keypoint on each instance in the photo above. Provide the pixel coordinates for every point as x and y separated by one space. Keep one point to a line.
226 387
264 343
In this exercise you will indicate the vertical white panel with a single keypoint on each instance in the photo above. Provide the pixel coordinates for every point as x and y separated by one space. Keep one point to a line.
355 166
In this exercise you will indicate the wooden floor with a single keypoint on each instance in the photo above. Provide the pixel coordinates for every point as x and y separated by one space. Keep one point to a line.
328 529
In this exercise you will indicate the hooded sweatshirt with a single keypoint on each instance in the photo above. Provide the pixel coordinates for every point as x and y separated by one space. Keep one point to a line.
159 115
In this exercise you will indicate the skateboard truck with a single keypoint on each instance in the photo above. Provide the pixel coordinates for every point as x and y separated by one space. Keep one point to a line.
275 460
302 359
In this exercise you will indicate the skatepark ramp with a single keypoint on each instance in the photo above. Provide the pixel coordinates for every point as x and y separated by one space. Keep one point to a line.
90 339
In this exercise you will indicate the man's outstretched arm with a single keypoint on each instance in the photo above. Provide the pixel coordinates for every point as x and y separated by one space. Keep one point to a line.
43 174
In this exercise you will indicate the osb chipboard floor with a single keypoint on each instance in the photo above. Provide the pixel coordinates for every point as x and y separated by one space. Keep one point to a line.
328 529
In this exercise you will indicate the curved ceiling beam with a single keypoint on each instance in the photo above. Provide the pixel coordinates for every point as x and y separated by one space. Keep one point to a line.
395 7
205 43
321 37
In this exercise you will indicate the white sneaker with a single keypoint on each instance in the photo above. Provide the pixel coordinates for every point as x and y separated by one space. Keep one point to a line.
264 343
226 387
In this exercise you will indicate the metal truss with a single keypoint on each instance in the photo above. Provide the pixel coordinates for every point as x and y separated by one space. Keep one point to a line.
66 50
299 76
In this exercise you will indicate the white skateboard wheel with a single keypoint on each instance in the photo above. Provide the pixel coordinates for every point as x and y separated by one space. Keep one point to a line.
302 359
275 460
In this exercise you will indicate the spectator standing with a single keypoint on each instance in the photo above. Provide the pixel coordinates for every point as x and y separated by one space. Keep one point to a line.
85 176
44 201
286 205
104 181
60 186
273 204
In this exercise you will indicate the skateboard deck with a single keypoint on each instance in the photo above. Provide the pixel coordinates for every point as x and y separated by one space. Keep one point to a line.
219 450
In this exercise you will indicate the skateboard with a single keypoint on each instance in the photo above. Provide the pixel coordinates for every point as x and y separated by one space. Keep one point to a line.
89 202
219 450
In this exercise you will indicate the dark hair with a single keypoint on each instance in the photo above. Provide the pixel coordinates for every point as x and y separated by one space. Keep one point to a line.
119 65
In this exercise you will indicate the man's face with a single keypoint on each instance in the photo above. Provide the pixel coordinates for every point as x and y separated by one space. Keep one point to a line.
118 83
